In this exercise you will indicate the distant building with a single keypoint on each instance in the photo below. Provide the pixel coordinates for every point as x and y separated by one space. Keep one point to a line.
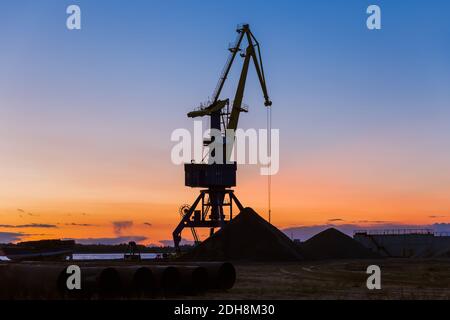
405 243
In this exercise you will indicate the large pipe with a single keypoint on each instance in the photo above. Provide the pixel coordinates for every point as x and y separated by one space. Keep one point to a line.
48 281
31 281
143 281
104 281
221 275
194 279
45 281
167 278
7 284
137 280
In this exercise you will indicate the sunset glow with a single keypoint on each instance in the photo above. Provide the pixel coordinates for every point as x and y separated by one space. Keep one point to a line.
86 117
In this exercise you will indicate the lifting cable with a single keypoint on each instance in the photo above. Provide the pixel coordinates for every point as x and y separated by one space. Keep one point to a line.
269 151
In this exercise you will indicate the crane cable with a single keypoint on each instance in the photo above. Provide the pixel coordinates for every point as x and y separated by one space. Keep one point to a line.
269 151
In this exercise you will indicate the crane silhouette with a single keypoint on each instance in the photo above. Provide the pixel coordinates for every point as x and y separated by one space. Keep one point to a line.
216 178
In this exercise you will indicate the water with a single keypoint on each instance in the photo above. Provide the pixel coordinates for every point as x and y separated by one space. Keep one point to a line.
101 256
109 256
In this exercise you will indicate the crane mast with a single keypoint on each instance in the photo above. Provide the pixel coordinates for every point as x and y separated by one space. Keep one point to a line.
216 179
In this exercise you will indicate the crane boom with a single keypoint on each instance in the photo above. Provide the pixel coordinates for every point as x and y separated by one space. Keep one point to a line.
217 105
237 104
226 70
249 54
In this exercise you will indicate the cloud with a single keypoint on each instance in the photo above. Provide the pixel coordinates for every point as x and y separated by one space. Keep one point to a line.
148 224
441 227
436 217
120 226
335 220
111 241
369 221
32 225
152 244
21 210
81 224
8 237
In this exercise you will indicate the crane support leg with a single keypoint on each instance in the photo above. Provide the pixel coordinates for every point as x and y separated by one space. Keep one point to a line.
238 203
177 232
211 213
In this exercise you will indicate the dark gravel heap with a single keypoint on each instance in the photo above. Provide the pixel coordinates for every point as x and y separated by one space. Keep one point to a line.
248 237
333 244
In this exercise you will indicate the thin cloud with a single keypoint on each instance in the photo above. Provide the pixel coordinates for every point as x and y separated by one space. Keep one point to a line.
21 210
9 237
32 225
148 224
371 221
441 227
81 224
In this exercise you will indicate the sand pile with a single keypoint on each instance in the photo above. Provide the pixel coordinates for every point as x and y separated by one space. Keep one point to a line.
248 237
333 244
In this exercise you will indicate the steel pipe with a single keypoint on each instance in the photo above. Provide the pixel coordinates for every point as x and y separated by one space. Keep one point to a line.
167 278
194 279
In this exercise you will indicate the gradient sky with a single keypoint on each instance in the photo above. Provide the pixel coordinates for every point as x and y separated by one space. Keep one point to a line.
86 116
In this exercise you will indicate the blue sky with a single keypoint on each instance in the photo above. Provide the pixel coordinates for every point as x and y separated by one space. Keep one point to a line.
325 68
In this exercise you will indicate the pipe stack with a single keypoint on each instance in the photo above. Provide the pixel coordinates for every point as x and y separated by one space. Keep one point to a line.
50 281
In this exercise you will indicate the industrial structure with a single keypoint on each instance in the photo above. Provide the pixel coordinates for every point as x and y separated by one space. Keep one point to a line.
216 178
405 243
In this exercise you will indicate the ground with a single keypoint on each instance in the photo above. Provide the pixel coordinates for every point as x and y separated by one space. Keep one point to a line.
343 279
346 279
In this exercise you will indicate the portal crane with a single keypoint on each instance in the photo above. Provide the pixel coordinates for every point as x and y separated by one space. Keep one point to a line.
217 179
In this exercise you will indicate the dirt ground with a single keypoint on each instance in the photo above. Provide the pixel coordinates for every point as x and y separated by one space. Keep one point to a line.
407 279
400 279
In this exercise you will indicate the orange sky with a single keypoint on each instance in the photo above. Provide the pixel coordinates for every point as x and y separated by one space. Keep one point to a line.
309 195
86 116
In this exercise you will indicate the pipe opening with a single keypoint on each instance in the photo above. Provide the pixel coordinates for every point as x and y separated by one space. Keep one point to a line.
143 280
61 282
170 281
226 276
200 279
109 280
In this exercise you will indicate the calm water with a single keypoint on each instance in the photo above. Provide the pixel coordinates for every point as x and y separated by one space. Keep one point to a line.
101 256
108 256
